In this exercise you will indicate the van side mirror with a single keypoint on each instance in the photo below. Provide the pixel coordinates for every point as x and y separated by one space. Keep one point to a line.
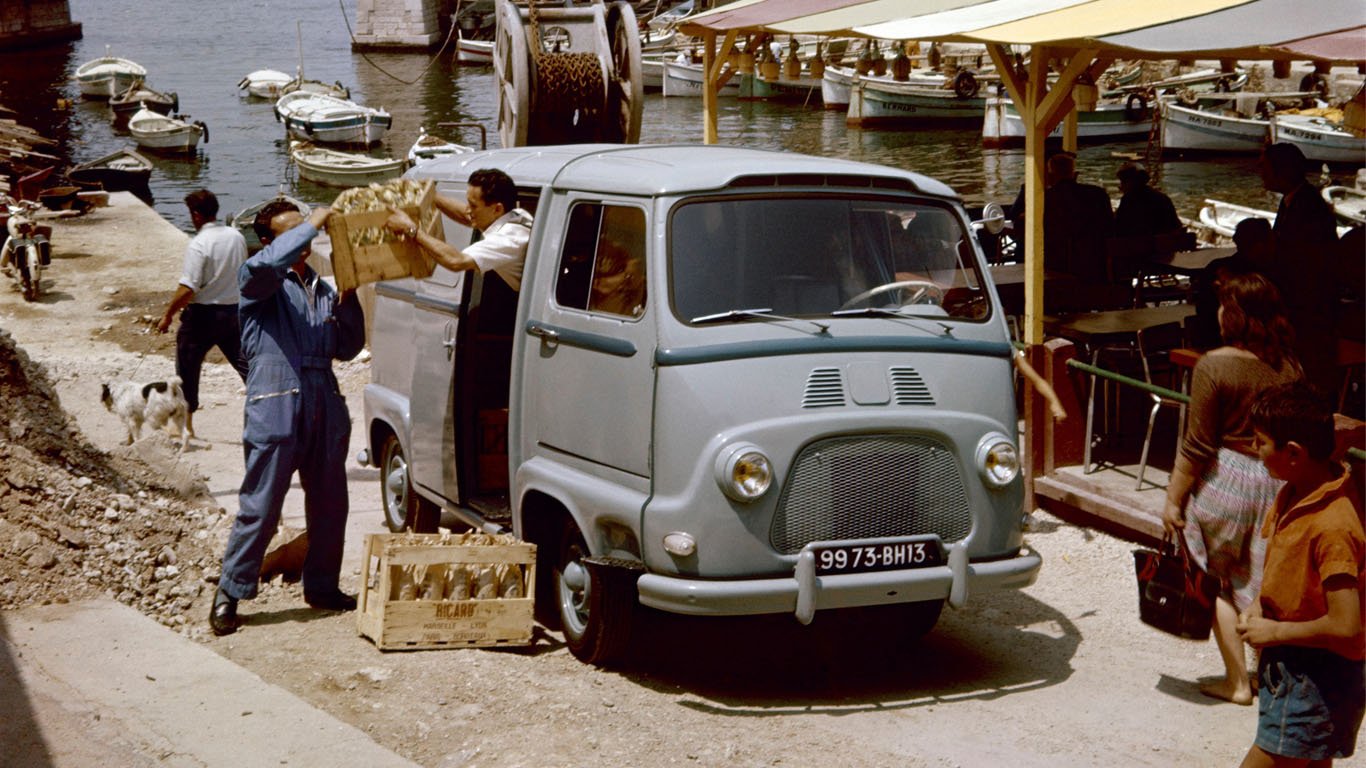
993 218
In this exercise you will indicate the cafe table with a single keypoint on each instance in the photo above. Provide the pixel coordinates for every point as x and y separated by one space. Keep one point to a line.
1187 262
1097 331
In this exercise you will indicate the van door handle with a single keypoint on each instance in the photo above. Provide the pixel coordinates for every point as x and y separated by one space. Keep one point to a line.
545 334
448 341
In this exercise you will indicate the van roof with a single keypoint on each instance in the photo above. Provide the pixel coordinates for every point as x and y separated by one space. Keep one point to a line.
664 169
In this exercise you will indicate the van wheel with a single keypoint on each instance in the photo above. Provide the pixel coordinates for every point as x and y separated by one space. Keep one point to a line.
403 509
596 602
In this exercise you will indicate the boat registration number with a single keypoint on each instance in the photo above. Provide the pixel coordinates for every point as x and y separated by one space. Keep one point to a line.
860 558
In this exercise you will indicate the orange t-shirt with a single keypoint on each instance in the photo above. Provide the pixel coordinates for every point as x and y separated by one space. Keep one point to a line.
1319 537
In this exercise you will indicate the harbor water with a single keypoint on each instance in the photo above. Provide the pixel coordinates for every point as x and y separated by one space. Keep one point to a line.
202 49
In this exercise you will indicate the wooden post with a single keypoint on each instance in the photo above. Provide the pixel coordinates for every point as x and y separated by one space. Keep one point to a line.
709 63
1034 92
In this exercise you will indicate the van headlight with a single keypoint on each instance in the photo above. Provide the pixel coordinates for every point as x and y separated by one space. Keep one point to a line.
998 460
743 472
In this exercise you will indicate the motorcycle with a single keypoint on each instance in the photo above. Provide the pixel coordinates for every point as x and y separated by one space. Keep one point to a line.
26 250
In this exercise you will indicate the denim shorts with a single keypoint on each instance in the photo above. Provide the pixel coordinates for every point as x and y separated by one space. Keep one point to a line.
1309 703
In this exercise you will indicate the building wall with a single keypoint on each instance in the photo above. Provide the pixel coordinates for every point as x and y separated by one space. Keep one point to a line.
398 24
30 23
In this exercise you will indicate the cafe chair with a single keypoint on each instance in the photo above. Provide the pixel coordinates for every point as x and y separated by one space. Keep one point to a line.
1154 348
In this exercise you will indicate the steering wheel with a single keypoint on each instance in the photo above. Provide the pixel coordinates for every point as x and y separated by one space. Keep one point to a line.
926 289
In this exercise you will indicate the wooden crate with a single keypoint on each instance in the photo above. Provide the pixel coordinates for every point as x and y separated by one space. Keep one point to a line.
356 265
413 624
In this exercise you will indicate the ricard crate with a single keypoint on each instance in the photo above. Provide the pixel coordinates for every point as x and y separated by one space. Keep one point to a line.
357 259
429 590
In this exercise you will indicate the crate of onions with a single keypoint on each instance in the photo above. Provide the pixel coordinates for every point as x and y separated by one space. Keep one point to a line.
430 590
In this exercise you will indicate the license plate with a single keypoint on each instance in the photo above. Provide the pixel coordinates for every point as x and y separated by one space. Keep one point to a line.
860 558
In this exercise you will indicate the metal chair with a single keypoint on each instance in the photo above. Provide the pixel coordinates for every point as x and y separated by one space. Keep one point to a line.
1154 345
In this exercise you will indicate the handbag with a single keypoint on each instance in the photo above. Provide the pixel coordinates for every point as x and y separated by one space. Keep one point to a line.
1174 594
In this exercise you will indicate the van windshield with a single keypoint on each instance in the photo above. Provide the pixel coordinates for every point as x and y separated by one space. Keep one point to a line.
822 256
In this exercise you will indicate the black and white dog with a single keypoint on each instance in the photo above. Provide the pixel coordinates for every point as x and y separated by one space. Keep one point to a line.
154 404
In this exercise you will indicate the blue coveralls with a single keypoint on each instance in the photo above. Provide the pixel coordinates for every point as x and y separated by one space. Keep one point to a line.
296 417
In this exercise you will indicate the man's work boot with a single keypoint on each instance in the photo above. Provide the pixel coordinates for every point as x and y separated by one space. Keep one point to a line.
223 616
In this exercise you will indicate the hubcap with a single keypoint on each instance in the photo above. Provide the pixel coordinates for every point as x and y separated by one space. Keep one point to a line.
574 592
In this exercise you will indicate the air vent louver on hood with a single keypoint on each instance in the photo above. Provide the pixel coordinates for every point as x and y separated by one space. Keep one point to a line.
824 388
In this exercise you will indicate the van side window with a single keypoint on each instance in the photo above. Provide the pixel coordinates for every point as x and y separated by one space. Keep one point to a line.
602 266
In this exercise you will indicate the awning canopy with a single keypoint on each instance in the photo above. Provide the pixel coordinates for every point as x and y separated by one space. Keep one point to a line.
1157 29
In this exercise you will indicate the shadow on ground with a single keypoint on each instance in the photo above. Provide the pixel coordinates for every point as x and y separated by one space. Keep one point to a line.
847 661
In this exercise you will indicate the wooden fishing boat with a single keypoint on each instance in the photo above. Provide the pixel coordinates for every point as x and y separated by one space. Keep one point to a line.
343 169
1319 139
107 76
122 171
334 89
474 52
1222 217
329 120
265 83
138 96
1115 121
167 133
652 72
683 78
1349 203
429 147
1184 129
242 220
880 101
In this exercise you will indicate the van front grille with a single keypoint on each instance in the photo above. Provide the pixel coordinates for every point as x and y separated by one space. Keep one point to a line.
871 486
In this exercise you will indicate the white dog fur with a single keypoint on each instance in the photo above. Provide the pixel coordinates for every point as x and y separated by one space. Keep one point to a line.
155 404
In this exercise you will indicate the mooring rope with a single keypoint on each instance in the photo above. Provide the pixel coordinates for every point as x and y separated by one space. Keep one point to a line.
449 34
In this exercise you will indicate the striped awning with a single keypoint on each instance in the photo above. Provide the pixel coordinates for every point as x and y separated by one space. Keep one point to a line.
1149 29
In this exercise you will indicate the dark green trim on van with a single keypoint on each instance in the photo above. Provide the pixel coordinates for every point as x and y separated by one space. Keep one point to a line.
596 342
716 353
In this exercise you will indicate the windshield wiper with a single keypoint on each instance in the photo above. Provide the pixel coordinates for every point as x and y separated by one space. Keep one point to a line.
762 313
888 312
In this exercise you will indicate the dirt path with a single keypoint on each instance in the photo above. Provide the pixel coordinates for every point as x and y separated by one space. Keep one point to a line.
1062 674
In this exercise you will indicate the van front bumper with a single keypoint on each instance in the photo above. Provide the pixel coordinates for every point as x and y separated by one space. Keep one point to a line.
804 592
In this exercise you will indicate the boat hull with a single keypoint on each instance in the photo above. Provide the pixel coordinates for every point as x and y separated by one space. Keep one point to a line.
806 90
1319 139
872 104
165 134
686 80
331 168
478 53
328 120
108 76
1002 126
122 171
1190 130
836 84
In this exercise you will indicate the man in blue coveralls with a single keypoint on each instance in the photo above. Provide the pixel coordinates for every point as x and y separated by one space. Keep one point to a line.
293 326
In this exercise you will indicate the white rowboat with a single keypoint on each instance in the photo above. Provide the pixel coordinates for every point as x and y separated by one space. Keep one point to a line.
684 79
153 130
265 83
328 120
474 52
108 76
1107 122
429 147
343 169
1349 203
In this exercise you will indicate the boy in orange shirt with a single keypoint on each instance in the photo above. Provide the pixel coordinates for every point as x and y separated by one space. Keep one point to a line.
1308 620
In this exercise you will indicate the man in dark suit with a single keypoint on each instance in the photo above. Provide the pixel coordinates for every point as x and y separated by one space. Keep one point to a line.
1303 269
1077 221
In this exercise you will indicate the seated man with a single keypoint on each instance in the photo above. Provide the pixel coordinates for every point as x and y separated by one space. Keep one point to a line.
1077 222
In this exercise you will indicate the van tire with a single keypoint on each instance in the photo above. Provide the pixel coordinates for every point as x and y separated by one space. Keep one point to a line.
595 602
404 509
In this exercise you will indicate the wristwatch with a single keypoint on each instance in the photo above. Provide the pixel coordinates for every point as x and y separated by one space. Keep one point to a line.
411 234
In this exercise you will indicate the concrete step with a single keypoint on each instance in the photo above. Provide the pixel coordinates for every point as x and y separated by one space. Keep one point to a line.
97 683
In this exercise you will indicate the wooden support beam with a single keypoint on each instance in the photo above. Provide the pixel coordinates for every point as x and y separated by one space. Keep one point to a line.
708 92
1005 65
1033 92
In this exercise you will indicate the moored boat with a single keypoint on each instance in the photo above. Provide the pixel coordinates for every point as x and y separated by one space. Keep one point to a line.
265 83
1222 217
1319 138
169 133
343 169
330 120
1002 126
1349 203
806 90
122 171
474 52
107 76
430 147
880 101
683 78
1184 129
139 96
242 220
